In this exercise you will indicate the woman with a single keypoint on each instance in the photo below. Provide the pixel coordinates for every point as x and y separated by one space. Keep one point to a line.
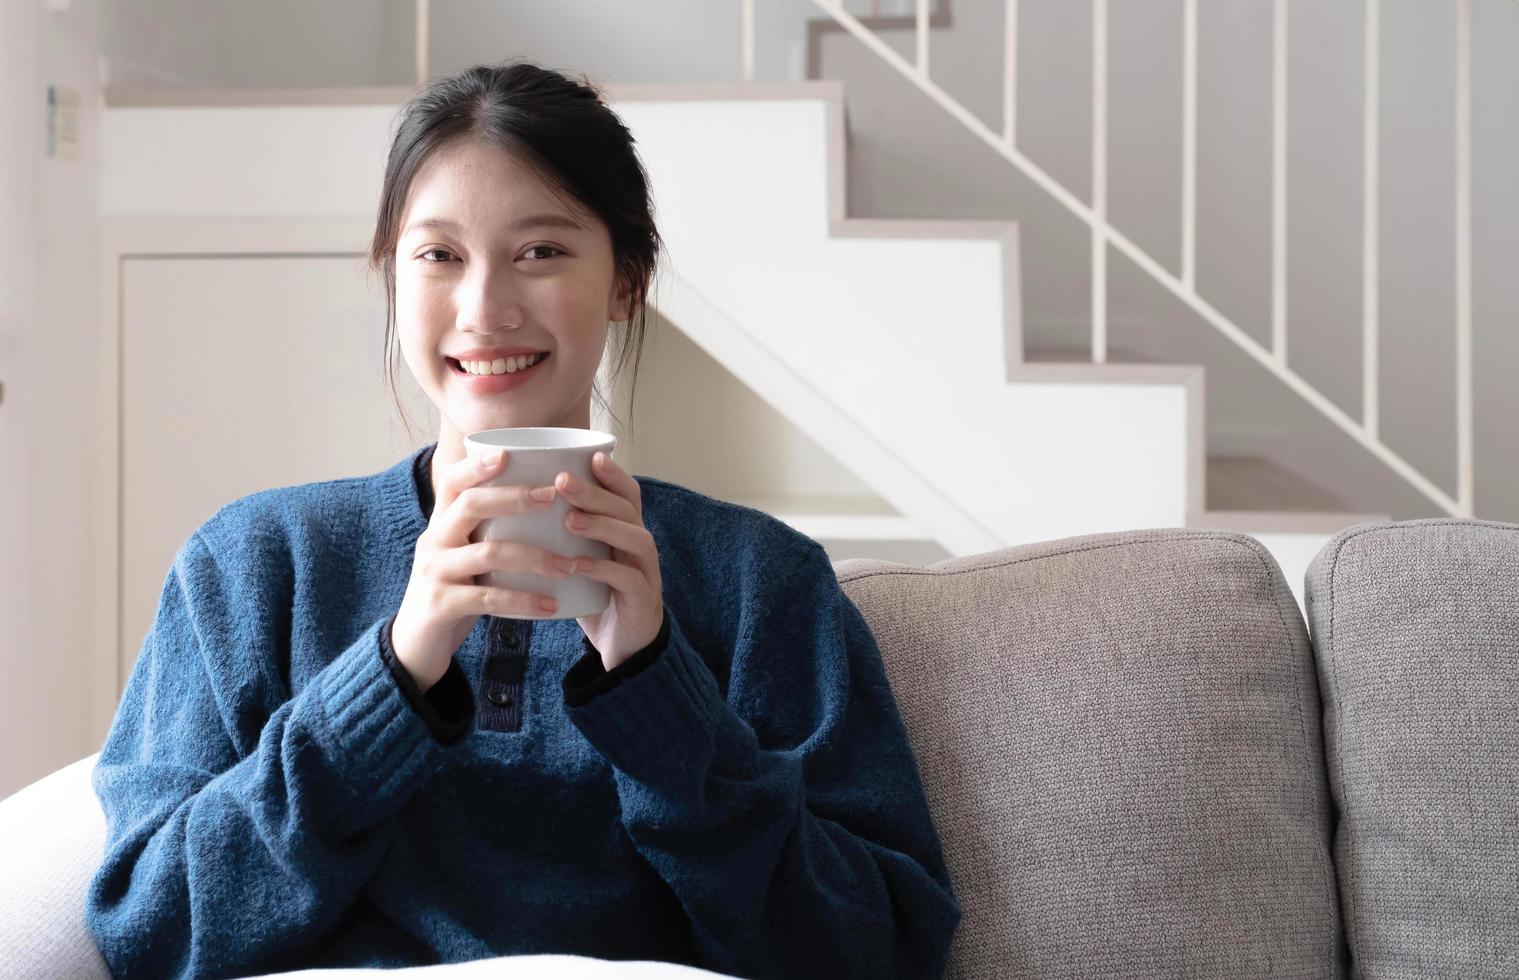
335 748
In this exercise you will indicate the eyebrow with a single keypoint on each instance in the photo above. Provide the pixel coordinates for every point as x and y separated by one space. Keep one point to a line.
531 221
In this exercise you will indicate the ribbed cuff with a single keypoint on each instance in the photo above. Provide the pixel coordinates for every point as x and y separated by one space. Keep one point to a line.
448 707
650 723
589 677
385 748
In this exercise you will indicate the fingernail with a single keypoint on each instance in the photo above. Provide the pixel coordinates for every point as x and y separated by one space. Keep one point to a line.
487 460
542 493
570 483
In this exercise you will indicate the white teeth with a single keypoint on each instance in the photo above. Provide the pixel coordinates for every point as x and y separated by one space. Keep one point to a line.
502 365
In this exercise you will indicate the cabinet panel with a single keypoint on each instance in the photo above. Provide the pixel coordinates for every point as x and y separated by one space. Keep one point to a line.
239 374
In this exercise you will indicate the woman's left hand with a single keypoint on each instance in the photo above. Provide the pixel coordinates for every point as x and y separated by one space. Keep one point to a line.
613 510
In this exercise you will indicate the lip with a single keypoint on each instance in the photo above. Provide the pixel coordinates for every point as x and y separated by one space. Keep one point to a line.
483 384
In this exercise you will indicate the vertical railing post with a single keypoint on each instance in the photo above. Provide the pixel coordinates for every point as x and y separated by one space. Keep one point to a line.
1099 181
922 34
747 41
1465 482
421 35
1279 183
1189 145
1371 190
1010 75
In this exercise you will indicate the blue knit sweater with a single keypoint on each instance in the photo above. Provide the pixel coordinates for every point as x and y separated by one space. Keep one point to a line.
278 796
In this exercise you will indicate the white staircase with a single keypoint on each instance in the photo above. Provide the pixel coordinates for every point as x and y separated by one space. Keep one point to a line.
974 444
1138 115
905 331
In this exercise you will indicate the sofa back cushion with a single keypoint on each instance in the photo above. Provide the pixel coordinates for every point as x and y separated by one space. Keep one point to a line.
1416 629
1119 739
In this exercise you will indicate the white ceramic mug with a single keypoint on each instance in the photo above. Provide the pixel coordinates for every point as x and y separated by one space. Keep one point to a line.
535 457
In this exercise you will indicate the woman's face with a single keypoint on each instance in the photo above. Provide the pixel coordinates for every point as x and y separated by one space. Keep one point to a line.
511 267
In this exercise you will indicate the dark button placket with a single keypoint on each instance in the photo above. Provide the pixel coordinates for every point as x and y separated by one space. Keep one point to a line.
502 671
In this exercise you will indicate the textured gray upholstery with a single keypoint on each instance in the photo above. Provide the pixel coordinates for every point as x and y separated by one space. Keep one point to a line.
1119 737
1416 627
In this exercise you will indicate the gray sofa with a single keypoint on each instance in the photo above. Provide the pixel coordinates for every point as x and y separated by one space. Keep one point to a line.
1136 760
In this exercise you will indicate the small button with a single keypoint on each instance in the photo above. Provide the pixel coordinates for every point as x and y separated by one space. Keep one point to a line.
500 699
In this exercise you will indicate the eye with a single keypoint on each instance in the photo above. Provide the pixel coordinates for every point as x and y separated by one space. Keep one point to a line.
551 248
432 250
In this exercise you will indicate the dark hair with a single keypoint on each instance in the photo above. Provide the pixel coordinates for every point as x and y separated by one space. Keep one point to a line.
559 128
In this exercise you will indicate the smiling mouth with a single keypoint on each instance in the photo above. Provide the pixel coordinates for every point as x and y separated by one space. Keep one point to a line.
458 368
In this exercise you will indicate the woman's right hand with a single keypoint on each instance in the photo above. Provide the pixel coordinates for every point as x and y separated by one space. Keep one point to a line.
442 602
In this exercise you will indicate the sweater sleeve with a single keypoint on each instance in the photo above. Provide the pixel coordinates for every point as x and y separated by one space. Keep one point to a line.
788 815
448 707
588 677
238 836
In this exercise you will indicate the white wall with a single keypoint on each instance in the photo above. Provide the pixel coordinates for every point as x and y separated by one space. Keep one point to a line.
265 44
370 42
49 349
300 161
903 147
49 327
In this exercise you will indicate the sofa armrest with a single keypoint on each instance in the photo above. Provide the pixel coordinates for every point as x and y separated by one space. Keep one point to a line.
52 838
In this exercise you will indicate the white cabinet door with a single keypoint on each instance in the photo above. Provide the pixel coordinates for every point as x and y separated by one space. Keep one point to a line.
241 373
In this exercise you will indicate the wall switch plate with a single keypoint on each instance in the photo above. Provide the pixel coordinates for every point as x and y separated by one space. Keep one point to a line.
63 122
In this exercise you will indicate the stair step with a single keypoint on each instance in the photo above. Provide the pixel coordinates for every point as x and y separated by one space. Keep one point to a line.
1244 492
839 518
1254 493
1281 521
1258 483
1077 355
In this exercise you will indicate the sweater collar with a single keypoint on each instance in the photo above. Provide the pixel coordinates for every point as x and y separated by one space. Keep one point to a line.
422 477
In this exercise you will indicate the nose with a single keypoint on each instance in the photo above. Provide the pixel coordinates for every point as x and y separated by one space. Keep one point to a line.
486 301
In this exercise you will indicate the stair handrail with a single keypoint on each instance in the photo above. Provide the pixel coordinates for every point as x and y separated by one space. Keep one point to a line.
1184 287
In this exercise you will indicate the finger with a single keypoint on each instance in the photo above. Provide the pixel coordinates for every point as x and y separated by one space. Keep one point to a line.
620 576
619 481
461 565
491 600
595 499
631 539
475 504
460 475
